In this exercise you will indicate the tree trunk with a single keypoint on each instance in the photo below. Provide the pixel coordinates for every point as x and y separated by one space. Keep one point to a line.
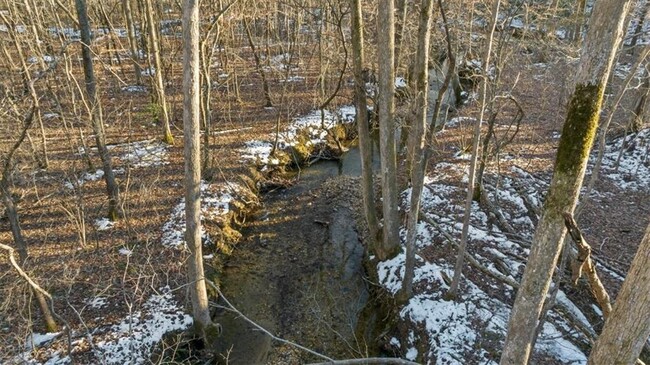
362 123
598 53
641 103
579 20
418 142
258 65
628 326
386 103
458 268
191 128
133 43
96 110
401 11
159 85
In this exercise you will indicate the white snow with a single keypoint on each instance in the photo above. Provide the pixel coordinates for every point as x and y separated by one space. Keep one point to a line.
313 126
145 154
132 340
282 62
97 302
134 89
148 71
457 330
400 82
215 202
104 224
125 251
633 170
35 340
294 79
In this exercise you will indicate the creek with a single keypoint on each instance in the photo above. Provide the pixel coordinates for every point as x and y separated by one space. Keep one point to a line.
298 272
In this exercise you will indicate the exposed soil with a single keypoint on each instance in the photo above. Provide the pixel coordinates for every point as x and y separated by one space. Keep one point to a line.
299 274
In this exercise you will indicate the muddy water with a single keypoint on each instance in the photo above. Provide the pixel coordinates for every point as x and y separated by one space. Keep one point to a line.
298 272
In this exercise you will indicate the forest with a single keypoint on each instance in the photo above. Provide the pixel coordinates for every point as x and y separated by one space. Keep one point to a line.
325 182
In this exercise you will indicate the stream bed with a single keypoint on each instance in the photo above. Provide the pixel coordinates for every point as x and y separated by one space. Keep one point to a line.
298 272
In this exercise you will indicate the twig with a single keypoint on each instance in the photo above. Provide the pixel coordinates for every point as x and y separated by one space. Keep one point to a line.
469 257
274 337
368 361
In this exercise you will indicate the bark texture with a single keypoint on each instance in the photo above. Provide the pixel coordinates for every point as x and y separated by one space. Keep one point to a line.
389 245
96 110
628 326
159 86
578 133
191 118
133 43
418 141
362 122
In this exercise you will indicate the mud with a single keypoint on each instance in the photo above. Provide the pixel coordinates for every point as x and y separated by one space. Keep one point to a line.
299 273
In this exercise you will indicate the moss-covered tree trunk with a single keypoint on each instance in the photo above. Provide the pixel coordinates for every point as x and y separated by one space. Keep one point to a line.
191 118
603 38
386 54
628 326
362 122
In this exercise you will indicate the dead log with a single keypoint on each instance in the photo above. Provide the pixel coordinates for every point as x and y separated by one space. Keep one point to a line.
583 264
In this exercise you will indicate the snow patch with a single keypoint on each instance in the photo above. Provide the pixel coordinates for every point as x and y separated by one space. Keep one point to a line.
132 340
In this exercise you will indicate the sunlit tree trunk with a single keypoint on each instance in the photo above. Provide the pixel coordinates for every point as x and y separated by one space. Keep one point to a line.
628 326
95 110
362 122
604 36
159 85
191 128
386 104
133 43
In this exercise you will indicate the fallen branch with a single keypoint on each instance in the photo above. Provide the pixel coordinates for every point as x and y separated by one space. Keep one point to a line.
274 337
10 251
369 361
583 264
565 311
469 257
378 361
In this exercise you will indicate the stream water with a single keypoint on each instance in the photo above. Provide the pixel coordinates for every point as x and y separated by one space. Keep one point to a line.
298 273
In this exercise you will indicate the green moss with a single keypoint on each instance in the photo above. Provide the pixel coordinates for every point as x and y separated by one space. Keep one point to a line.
575 144
579 129
337 133
301 150
168 138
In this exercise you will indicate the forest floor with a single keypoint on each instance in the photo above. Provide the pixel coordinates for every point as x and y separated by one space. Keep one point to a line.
121 285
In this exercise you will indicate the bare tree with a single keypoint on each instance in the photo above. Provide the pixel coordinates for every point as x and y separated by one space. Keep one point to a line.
386 103
418 140
362 122
192 148
628 326
458 268
133 43
159 86
95 110
604 36
258 64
